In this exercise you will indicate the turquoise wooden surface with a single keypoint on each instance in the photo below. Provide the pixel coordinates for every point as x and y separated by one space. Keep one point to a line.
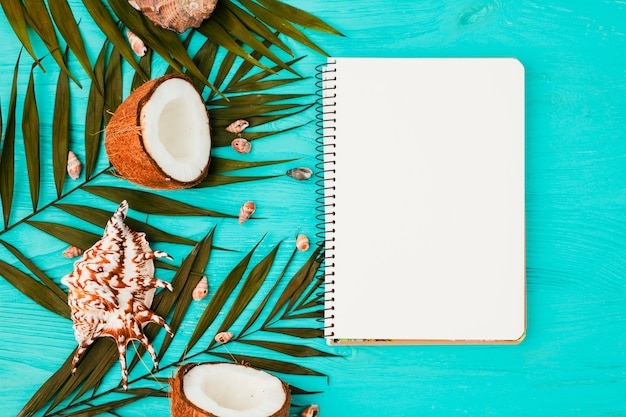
573 360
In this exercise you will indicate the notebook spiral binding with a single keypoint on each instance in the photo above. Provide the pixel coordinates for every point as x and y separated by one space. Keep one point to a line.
325 174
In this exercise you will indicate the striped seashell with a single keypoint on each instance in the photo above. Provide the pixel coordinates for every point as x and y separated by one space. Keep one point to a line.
72 252
176 15
300 173
241 145
137 45
246 211
111 289
311 411
201 290
302 243
73 165
237 126
223 337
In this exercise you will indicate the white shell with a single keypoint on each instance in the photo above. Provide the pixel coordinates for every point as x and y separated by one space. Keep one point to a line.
241 145
72 252
246 211
237 126
223 337
73 165
300 174
201 290
302 243
137 45
311 411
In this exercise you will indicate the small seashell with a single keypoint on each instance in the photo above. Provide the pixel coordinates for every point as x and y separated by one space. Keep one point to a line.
73 165
201 290
139 48
223 337
241 145
237 126
246 211
302 243
72 252
300 173
311 411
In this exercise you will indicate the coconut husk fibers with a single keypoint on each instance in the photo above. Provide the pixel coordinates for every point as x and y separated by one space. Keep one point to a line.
182 407
124 144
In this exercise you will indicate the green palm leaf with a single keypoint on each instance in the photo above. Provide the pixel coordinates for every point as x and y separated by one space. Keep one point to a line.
269 294
112 85
204 60
151 203
61 131
34 290
163 41
301 332
272 365
280 24
105 22
189 273
38 18
248 290
218 300
71 235
235 27
299 17
66 24
94 115
303 275
291 349
100 217
30 133
145 63
7 164
16 15
47 281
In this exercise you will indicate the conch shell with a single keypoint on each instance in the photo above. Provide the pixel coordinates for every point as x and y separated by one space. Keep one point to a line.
176 15
111 290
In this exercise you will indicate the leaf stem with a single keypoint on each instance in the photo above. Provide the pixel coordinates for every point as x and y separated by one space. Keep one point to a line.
52 203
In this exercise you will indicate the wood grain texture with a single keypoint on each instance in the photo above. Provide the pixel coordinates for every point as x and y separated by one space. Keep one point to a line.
573 360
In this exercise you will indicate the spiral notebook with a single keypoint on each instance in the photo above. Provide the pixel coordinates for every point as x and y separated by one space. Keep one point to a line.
423 208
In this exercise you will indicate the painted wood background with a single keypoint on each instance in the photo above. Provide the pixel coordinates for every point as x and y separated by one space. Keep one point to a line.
573 360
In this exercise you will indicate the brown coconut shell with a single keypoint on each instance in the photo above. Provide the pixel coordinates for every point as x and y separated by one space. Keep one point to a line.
124 143
182 407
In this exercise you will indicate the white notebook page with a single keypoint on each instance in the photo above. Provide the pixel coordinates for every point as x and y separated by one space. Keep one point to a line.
429 200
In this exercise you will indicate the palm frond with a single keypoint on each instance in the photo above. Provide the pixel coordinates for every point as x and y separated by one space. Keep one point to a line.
7 162
61 131
38 18
30 133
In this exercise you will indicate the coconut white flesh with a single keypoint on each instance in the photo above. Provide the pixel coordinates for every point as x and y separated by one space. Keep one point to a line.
229 390
175 130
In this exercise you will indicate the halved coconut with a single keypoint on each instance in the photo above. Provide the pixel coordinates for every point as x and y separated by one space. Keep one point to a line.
160 136
218 389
